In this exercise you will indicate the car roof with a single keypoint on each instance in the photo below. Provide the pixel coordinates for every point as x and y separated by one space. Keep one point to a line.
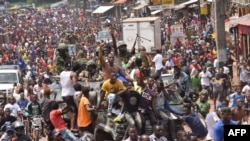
9 67
8 71
165 75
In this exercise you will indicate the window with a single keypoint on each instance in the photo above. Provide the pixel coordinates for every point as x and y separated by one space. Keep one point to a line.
9 78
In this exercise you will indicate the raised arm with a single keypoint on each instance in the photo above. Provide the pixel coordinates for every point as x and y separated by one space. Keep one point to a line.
111 32
102 61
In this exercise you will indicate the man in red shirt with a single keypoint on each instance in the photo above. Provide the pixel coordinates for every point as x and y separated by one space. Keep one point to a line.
59 123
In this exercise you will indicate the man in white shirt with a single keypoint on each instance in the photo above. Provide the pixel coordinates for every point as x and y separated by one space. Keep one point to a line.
38 88
205 78
157 61
67 80
13 106
246 88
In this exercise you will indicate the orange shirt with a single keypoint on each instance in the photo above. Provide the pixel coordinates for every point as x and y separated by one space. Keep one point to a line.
57 120
84 118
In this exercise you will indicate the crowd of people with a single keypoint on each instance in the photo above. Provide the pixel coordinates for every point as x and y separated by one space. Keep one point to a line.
131 81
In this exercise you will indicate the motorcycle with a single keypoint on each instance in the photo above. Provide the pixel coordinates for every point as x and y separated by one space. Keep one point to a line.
25 119
36 128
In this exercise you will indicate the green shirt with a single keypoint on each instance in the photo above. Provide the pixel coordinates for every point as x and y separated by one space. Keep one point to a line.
204 107
196 81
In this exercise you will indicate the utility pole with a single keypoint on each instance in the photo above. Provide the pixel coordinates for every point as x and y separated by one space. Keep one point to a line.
220 32
199 9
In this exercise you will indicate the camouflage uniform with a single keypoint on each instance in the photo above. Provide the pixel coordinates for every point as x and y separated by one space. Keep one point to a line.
145 62
62 57
93 70
79 64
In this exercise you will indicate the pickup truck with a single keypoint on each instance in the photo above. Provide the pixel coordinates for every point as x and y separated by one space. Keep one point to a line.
8 77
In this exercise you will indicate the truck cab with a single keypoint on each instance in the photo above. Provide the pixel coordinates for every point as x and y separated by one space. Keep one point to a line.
8 77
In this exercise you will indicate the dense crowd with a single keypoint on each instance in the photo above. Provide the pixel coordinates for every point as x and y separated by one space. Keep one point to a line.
131 82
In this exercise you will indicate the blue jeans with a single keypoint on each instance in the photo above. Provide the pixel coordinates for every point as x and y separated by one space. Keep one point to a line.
68 135
158 74
112 98
172 109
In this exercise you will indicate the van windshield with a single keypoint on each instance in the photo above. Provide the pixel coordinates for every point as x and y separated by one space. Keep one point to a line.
8 78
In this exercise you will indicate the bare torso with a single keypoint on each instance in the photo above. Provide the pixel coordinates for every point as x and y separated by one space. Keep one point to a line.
108 69
238 114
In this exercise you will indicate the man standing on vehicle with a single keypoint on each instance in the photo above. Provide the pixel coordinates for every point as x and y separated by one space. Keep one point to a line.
157 61
110 66
67 80
141 56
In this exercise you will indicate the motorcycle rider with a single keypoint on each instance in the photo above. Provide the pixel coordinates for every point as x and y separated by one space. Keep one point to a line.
19 130
9 134
34 107
7 117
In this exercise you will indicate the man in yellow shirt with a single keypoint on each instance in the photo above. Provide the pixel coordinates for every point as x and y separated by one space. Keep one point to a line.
110 90
51 67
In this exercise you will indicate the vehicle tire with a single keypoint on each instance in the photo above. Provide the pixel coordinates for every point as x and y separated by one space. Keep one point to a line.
101 135
37 135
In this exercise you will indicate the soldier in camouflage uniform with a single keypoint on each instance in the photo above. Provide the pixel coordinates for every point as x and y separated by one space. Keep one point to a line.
120 50
93 71
141 55
62 57
123 52
70 36
79 65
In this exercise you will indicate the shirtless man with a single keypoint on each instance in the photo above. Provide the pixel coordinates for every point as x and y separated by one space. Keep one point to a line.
238 113
108 67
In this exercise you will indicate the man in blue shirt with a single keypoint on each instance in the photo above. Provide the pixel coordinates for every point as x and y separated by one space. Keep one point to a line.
22 102
192 119
237 95
218 130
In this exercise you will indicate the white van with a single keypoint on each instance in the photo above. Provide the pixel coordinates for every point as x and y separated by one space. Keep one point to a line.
8 77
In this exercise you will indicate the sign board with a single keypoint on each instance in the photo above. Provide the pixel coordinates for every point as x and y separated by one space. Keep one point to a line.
161 7
204 10
177 33
167 2
177 29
